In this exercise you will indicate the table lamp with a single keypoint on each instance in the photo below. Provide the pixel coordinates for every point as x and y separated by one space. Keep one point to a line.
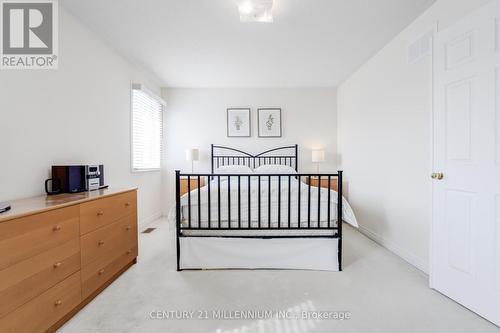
192 155
318 156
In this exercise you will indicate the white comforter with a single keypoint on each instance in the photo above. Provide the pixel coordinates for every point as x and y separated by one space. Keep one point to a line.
267 217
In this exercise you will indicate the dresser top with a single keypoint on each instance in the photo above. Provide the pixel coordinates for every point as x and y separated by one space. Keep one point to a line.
35 205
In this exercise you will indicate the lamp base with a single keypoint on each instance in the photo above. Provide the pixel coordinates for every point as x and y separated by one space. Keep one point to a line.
317 168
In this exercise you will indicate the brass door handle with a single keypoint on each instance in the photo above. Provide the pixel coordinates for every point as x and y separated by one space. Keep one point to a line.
437 175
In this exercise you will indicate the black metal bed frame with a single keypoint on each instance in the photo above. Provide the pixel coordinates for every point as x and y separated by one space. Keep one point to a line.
239 157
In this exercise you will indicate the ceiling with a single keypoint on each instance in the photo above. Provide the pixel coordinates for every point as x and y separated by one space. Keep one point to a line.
201 43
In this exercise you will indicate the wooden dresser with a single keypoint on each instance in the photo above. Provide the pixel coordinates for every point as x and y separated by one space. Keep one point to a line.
58 252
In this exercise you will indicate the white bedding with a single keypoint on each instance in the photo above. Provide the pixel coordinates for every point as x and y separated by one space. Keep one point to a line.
256 253
284 189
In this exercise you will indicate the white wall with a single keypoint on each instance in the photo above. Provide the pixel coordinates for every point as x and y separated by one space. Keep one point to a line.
79 113
385 138
197 118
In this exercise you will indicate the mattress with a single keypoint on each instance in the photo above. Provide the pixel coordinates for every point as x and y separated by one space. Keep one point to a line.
279 206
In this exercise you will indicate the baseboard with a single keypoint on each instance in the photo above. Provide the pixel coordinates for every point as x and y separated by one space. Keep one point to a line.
396 249
145 221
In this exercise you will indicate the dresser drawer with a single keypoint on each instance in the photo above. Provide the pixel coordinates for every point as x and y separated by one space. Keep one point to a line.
45 310
96 274
29 278
104 242
98 213
26 237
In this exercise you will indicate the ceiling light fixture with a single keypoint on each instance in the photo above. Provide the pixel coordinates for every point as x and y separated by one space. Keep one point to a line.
256 10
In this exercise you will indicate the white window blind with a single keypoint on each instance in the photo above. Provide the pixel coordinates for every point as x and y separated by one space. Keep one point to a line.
147 130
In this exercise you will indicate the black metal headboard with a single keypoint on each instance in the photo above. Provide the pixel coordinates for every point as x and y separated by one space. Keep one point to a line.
287 155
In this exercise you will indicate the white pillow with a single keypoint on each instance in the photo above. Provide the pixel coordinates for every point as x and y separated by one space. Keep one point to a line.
233 169
275 169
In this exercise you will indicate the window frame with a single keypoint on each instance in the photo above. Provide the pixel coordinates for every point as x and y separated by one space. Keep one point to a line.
143 88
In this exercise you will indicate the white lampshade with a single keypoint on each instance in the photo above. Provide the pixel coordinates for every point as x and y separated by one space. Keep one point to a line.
318 156
256 10
192 154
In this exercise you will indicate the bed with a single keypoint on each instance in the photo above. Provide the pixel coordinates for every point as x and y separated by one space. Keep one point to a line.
259 212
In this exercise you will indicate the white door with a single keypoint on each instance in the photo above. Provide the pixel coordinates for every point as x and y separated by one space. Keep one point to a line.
465 250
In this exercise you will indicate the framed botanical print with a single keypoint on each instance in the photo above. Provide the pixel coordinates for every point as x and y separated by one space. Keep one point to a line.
269 121
238 122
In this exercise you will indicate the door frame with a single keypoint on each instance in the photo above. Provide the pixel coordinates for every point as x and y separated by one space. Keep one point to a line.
433 150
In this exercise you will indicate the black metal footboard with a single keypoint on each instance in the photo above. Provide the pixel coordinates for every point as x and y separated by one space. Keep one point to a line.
259 206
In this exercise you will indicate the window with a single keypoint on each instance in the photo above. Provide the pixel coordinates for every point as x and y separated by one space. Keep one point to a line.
147 129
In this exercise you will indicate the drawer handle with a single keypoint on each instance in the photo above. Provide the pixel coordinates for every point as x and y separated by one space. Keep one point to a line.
58 302
101 242
100 213
128 228
57 264
127 204
56 228
129 251
101 272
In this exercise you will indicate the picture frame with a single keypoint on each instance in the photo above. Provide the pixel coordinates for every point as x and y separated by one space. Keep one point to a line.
269 122
238 122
